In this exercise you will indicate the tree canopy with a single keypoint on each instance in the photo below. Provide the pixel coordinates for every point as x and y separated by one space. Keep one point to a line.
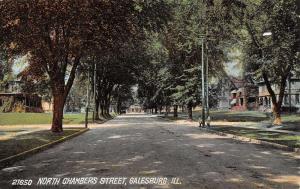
156 45
58 35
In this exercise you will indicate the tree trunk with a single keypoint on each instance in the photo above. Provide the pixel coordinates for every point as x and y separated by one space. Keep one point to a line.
119 107
107 111
155 109
101 109
167 111
60 91
276 103
175 111
97 110
190 112
58 106
277 115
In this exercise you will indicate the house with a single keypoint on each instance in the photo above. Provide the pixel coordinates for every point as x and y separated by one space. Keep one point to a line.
237 94
13 100
291 98
245 94
135 109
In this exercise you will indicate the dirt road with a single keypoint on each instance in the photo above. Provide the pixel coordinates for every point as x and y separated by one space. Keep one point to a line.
146 146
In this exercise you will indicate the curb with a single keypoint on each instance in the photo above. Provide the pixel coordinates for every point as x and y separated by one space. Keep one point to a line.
12 159
255 141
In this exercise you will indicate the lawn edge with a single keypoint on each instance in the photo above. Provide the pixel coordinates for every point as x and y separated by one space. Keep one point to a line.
12 159
255 141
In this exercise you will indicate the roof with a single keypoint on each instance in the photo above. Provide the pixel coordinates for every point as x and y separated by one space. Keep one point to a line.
238 82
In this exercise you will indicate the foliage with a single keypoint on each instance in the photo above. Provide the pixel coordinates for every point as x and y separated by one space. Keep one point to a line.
58 35
172 75
274 58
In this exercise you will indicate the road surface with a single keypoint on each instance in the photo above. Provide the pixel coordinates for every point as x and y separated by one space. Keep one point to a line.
148 147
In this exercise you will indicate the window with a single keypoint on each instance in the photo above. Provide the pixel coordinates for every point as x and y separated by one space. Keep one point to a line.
266 101
251 99
297 98
242 101
261 101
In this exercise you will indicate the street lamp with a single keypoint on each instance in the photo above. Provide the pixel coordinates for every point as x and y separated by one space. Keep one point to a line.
267 34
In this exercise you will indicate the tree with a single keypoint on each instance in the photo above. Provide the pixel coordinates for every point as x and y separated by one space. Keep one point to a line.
173 77
57 35
273 58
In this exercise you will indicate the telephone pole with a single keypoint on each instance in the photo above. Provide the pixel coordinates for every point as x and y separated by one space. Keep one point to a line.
202 83
207 89
94 94
87 100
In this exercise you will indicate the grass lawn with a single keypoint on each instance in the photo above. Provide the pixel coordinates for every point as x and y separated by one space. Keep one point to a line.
270 136
242 116
291 118
25 142
231 116
38 118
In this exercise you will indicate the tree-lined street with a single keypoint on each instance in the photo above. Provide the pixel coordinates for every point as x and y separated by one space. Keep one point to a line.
143 75
142 145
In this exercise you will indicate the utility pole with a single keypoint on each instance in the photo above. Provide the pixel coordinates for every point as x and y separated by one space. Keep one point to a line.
207 89
94 94
202 82
290 97
87 101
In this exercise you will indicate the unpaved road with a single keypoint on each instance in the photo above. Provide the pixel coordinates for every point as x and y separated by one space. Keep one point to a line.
147 146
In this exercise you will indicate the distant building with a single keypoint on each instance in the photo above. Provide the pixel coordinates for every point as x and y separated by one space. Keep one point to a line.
265 102
13 100
134 109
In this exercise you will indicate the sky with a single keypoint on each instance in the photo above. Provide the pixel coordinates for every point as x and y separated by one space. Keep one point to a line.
19 65
234 66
